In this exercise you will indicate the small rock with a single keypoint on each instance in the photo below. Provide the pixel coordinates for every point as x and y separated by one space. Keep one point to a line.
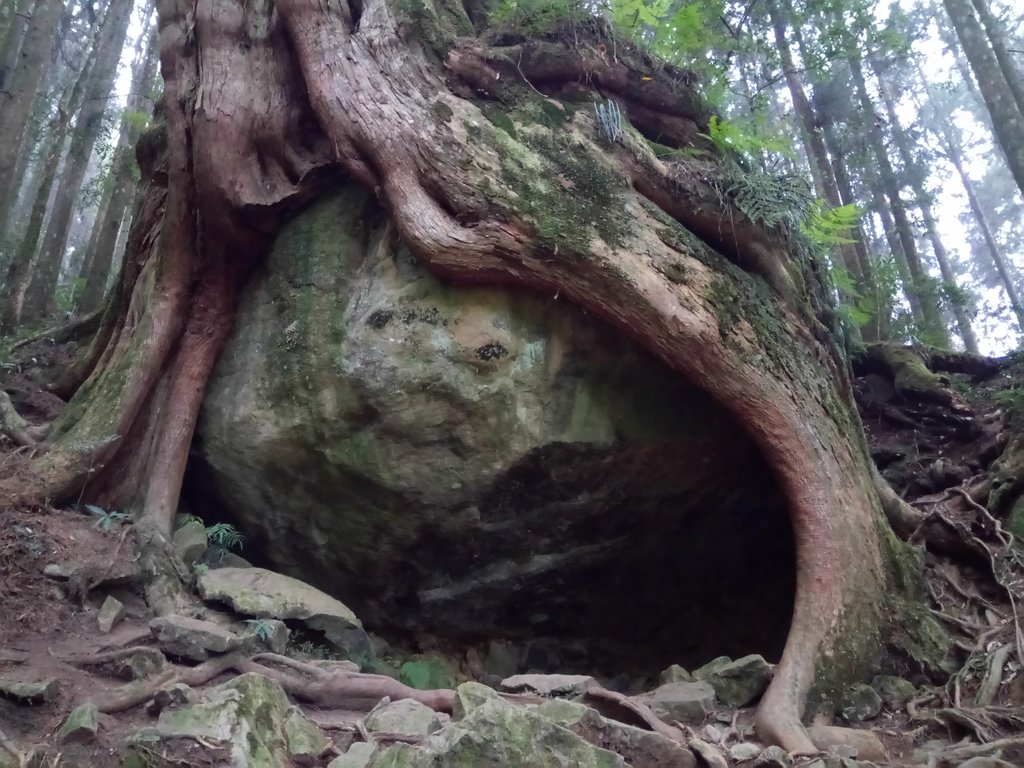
772 757
190 542
710 755
860 702
57 571
469 696
686 702
306 742
176 695
37 692
269 634
358 756
736 683
986 762
895 691
675 674
713 734
548 685
145 662
744 751
111 612
867 744
404 716
191 638
81 725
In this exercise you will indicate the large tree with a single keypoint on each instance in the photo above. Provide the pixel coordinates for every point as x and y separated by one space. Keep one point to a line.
499 161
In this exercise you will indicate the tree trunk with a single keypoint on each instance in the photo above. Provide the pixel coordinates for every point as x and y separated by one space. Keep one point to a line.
1007 118
915 175
997 39
39 294
99 256
270 105
992 245
18 96
13 37
919 288
821 166
19 269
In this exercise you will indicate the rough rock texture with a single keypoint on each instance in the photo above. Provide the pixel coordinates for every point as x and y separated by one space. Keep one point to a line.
548 685
250 715
190 542
403 716
639 747
736 683
498 733
483 462
686 702
192 639
111 612
265 594
81 725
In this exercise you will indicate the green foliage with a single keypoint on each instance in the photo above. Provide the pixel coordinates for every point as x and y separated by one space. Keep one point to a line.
627 15
1012 401
426 674
536 17
107 521
260 628
65 296
225 536
728 139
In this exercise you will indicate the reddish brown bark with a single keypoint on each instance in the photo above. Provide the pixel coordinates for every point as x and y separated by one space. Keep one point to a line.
723 303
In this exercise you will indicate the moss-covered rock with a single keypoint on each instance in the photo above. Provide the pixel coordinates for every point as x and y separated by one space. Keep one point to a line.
442 457
252 716
498 733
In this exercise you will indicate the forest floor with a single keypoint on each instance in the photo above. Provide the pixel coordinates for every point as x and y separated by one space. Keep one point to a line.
933 455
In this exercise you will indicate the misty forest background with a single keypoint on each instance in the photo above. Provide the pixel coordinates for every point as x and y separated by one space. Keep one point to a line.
893 134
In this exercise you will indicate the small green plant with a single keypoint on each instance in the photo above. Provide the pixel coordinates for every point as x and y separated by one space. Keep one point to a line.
537 17
225 536
728 139
107 521
260 628
609 120
1012 401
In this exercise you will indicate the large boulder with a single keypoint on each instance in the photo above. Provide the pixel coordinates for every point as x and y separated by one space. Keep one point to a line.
252 718
268 595
490 462
498 733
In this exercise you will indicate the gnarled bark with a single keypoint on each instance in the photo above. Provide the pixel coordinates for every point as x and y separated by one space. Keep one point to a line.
488 161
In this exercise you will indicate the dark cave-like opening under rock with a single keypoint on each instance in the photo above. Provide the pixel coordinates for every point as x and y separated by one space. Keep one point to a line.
460 464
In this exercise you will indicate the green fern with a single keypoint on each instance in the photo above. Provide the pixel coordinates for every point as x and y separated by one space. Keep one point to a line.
107 521
260 628
225 535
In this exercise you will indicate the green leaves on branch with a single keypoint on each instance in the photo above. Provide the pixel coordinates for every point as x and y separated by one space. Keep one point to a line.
225 536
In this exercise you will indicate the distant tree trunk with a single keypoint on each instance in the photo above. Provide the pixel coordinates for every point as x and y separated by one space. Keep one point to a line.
981 220
997 38
1007 117
39 295
810 125
933 329
915 176
270 105
13 37
18 96
99 256
20 267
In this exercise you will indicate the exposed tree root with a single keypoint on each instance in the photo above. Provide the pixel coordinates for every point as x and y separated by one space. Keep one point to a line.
336 688
19 431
